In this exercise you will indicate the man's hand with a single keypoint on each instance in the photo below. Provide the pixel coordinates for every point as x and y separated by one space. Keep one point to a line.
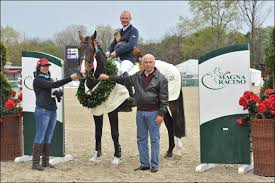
107 54
113 54
74 77
159 119
103 77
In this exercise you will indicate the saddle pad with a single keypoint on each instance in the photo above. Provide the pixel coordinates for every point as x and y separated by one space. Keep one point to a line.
120 93
171 73
117 96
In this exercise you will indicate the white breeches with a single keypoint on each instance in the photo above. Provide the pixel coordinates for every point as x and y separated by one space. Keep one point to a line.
125 66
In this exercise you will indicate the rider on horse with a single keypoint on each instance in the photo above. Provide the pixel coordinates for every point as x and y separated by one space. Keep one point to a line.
123 47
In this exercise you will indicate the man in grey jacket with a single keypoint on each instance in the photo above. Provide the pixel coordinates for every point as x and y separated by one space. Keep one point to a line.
151 96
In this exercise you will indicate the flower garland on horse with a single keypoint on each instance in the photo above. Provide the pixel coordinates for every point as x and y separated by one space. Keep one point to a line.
101 92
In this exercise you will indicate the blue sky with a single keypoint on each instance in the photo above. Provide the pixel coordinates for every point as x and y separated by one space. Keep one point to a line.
41 19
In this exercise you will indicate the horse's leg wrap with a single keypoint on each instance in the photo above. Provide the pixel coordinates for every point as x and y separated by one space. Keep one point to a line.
179 146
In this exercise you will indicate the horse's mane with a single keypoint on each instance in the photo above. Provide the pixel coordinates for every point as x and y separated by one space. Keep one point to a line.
101 50
86 39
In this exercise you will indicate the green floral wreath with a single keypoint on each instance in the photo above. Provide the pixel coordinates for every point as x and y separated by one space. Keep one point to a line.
103 90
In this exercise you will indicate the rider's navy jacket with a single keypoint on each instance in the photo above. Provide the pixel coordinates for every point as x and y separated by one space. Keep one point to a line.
125 51
42 86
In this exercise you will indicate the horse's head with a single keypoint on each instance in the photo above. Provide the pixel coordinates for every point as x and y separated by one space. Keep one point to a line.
91 56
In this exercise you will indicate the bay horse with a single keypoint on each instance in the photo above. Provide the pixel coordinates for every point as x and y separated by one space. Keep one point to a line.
92 60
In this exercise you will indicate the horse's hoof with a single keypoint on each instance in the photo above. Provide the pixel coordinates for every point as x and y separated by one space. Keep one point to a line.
116 161
99 154
95 156
168 155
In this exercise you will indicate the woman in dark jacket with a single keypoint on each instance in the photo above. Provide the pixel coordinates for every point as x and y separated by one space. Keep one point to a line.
45 112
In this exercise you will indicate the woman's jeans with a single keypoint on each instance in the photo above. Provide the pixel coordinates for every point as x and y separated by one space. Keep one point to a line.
45 124
146 122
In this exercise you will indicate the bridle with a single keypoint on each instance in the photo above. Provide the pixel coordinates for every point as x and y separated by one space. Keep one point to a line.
91 45
90 61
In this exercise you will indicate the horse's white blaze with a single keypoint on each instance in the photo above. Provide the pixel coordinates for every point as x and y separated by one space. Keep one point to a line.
95 65
83 69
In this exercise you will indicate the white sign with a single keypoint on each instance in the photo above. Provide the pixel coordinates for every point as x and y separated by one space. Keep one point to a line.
222 81
28 69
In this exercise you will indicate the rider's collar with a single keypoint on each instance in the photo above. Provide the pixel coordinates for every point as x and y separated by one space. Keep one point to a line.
124 28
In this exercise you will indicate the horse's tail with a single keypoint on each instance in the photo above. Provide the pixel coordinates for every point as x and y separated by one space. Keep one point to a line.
181 111
178 116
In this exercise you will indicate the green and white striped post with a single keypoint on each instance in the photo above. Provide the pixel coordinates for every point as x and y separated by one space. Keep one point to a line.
223 77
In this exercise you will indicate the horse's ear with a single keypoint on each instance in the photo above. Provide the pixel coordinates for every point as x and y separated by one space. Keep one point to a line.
80 36
94 35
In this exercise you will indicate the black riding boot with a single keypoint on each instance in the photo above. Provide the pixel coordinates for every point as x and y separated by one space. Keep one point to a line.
131 100
36 152
127 105
46 156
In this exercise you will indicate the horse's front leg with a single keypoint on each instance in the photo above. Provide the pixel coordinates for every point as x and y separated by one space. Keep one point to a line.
98 134
113 119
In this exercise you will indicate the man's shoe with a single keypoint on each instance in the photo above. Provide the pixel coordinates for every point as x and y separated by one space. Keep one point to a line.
142 168
154 169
